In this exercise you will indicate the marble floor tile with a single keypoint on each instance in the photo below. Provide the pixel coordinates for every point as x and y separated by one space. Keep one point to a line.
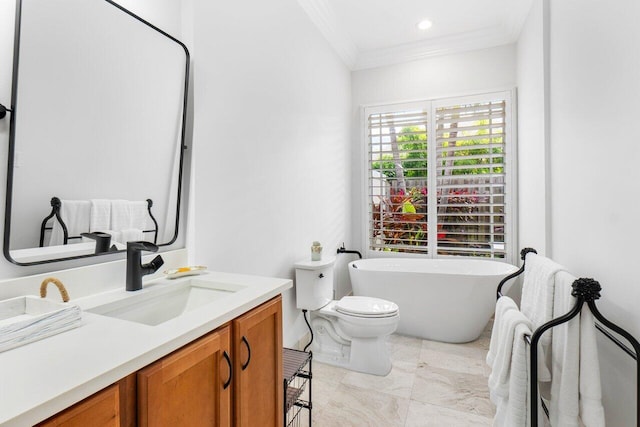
427 415
454 390
405 349
326 379
471 350
397 339
355 407
430 384
398 382
448 360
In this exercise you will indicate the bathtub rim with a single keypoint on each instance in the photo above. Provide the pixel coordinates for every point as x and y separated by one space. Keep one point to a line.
508 267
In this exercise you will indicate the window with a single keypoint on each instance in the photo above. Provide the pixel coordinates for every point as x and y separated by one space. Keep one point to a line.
439 177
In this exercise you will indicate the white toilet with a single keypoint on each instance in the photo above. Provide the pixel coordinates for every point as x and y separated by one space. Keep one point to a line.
351 332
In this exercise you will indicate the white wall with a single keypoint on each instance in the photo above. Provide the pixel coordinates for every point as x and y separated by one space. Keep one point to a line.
594 87
271 141
533 127
444 76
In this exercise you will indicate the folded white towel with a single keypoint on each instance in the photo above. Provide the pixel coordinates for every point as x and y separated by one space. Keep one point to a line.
116 236
33 328
139 212
565 365
591 409
120 215
76 215
576 393
518 410
127 214
496 343
501 368
100 215
537 304
131 235
508 381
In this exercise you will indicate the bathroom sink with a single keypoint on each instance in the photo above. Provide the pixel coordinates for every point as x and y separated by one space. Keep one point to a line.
158 304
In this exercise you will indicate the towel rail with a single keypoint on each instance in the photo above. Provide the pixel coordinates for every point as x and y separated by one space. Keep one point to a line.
56 204
586 291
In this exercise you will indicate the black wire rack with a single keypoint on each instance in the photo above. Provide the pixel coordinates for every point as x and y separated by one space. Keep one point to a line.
296 369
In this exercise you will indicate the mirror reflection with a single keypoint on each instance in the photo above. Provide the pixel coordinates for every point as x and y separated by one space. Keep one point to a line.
96 133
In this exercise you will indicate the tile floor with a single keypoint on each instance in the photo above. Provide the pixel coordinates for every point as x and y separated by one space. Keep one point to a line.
431 384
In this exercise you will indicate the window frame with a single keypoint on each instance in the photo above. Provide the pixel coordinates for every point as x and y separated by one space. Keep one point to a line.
430 106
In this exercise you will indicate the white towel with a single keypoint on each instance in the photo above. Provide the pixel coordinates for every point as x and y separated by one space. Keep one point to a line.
33 328
537 303
518 410
100 215
508 381
139 211
120 215
131 235
591 409
501 368
565 366
496 343
127 214
575 385
76 215
116 236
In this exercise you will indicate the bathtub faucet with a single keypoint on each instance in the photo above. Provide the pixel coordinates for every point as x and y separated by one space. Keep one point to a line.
342 250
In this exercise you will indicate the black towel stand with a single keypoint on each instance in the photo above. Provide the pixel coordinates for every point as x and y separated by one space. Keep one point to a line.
586 291
56 204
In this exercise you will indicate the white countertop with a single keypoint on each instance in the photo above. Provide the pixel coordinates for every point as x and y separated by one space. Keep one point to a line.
40 379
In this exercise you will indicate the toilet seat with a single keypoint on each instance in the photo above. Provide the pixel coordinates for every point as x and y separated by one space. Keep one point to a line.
367 307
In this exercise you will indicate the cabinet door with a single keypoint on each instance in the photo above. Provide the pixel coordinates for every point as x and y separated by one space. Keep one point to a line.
190 387
257 342
100 410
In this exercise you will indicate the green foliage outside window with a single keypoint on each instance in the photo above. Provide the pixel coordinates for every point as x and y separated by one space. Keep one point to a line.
405 226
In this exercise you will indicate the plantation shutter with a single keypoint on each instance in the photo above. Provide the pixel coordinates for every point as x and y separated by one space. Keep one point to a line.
397 180
470 179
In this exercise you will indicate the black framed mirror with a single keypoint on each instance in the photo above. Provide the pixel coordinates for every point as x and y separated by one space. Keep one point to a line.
97 131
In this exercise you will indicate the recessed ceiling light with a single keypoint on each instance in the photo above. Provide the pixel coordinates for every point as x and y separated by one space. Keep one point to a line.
424 25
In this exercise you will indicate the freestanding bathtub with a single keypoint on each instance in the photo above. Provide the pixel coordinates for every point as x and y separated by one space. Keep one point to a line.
449 300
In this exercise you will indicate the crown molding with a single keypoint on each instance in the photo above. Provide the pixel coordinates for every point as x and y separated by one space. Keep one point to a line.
475 40
323 17
516 19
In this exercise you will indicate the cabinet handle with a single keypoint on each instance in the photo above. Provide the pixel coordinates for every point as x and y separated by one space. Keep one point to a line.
244 365
228 382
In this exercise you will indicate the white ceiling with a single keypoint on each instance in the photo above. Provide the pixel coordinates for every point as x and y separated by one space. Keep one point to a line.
372 33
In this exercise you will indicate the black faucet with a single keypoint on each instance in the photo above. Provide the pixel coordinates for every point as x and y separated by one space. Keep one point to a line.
135 268
103 241
343 250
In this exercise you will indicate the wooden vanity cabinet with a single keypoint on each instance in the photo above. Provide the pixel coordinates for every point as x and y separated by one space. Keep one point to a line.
257 355
190 387
187 388
100 410
229 377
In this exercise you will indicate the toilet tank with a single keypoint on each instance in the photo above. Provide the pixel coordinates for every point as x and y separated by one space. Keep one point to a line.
314 283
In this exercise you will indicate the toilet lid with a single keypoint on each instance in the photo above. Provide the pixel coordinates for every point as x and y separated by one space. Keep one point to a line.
366 306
